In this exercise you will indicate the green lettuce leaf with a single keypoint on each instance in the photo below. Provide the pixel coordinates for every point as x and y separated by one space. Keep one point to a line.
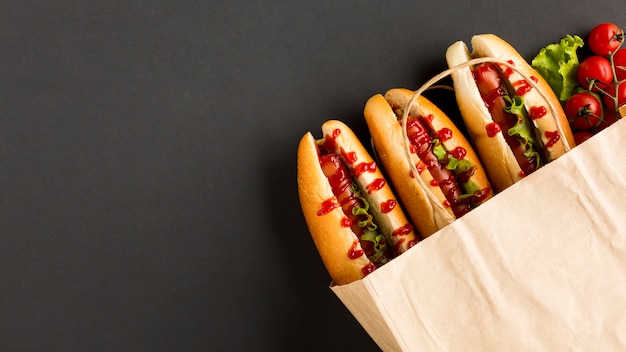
368 221
439 151
380 246
558 63
458 166
522 130
452 163
471 188
371 231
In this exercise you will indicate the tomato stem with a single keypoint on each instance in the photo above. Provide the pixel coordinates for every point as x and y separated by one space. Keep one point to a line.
619 37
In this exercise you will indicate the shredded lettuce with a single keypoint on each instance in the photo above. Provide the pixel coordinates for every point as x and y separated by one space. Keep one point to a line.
371 232
368 221
471 188
458 166
522 130
380 246
439 151
558 63
463 166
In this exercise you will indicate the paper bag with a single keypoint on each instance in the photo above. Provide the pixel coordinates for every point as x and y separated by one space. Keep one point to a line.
539 267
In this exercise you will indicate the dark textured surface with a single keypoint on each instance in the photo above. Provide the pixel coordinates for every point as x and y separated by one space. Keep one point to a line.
147 154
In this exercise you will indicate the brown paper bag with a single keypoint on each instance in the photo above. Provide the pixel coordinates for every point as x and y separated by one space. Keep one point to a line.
540 267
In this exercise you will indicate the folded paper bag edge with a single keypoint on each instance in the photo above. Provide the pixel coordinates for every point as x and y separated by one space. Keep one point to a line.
362 300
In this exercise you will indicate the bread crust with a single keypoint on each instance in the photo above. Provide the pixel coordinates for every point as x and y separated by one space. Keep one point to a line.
387 136
334 241
498 159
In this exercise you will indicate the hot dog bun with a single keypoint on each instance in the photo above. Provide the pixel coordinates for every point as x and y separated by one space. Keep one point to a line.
336 242
382 114
332 241
497 157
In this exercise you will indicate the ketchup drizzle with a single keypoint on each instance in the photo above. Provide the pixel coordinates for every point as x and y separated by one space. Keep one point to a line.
349 157
375 185
330 142
327 206
420 166
554 137
459 153
420 136
361 168
403 230
354 252
387 206
368 269
537 112
444 134
492 129
399 244
522 86
491 97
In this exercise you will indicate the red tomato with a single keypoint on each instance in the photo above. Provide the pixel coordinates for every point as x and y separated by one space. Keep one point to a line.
619 60
610 96
583 110
605 38
582 136
595 72
608 120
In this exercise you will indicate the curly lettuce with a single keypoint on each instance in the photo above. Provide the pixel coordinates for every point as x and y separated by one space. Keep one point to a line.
558 63
522 130
458 167
371 232
368 219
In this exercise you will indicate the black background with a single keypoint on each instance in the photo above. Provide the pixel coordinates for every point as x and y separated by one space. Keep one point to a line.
148 159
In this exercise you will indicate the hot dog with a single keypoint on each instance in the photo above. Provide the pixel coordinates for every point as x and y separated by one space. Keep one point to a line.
353 216
516 126
451 178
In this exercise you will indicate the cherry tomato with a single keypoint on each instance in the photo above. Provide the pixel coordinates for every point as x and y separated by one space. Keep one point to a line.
595 72
582 136
583 110
608 120
610 96
619 60
605 38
